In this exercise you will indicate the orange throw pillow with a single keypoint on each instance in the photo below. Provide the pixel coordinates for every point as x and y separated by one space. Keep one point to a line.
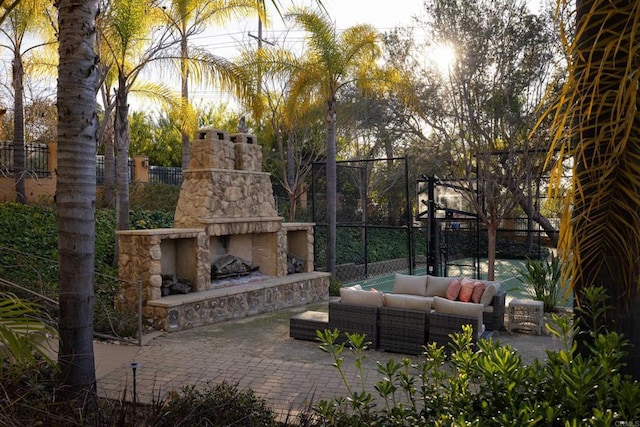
453 290
478 290
466 290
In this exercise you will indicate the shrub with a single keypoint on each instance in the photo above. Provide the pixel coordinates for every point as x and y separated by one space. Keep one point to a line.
544 278
154 197
487 384
28 257
215 405
334 286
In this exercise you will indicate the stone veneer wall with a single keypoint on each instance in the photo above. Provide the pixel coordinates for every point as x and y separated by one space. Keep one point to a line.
296 238
222 194
178 312
140 258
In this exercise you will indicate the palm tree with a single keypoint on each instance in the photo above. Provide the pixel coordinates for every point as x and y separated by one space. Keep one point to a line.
130 44
28 19
288 124
600 234
137 37
189 18
333 61
6 6
76 195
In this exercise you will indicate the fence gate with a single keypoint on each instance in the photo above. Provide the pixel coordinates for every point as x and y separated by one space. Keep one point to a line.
452 234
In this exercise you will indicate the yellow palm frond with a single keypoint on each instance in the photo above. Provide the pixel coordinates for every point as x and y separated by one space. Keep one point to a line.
156 93
597 123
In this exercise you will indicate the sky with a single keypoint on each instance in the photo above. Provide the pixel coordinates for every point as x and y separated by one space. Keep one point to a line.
226 42
382 14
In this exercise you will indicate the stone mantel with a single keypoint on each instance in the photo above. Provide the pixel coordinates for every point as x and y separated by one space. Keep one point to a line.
175 233
230 226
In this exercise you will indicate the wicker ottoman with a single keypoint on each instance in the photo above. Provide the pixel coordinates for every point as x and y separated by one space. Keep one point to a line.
303 326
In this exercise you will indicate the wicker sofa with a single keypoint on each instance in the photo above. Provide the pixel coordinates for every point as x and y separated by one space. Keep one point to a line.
416 312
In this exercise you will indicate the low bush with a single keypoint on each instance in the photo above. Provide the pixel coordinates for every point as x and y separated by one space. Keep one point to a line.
334 286
543 279
488 384
213 405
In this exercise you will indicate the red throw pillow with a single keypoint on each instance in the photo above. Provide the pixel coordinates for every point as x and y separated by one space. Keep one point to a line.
466 290
478 290
453 289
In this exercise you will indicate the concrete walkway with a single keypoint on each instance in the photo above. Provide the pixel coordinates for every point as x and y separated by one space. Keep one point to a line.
254 353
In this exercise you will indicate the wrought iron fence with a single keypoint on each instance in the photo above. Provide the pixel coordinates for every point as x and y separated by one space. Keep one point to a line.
167 175
36 158
374 226
100 170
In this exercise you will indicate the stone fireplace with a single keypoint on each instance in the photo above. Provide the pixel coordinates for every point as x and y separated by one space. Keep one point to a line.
225 208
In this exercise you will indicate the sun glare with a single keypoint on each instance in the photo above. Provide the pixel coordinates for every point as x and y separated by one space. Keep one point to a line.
442 56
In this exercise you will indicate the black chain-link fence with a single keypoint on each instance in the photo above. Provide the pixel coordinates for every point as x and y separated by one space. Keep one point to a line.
374 221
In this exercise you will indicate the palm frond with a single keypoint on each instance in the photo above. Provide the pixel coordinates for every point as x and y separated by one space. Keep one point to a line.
321 37
601 130
23 333
156 92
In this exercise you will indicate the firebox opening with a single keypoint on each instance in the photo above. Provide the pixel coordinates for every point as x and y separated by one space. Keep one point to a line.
231 266
256 249
178 265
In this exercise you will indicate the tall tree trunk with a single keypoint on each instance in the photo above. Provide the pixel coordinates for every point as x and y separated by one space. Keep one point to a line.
19 160
332 185
184 49
105 138
492 231
291 179
75 196
109 170
122 156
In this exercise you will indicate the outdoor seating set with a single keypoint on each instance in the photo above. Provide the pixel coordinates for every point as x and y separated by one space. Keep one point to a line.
419 310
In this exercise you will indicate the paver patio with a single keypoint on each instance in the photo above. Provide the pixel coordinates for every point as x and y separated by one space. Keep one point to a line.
258 353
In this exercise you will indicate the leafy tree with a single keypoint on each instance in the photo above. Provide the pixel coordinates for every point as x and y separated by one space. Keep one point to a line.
217 116
40 120
157 137
332 61
597 109
26 20
484 107
288 129
76 195
370 130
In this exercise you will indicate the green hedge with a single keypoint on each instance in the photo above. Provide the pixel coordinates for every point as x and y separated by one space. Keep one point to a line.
29 256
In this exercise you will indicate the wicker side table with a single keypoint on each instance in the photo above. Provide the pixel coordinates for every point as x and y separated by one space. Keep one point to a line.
304 325
525 314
